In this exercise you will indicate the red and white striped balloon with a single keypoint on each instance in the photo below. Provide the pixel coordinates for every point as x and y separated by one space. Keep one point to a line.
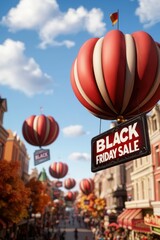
40 130
69 183
70 196
58 169
117 75
86 186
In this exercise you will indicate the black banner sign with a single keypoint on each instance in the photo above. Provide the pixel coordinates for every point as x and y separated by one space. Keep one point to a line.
125 142
41 156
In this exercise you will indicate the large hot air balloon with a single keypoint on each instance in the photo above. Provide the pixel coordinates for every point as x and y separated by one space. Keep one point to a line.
69 183
86 186
117 76
58 169
40 130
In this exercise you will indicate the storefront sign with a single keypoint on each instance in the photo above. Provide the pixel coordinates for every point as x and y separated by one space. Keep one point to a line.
41 156
152 220
125 142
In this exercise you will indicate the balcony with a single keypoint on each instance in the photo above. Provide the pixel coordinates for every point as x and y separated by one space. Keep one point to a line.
138 204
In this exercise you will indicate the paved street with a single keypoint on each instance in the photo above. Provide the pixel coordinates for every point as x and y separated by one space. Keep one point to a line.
69 228
82 233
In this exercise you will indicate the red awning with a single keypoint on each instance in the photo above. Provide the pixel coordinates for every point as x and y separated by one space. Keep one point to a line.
136 214
122 216
133 219
136 222
126 218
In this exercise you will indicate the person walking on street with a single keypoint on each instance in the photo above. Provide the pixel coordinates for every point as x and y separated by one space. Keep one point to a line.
62 237
75 234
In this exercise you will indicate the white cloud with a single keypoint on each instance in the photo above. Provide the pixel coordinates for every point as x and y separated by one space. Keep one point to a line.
77 156
73 21
22 73
73 131
46 18
148 12
29 14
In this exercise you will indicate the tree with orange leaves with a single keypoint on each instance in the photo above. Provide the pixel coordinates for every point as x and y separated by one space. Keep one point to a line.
39 199
14 196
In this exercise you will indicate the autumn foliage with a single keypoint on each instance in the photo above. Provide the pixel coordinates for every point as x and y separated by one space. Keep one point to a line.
92 205
14 196
39 198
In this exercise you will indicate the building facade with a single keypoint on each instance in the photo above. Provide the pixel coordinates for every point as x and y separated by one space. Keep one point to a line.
3 132
145 183
140 179
15 150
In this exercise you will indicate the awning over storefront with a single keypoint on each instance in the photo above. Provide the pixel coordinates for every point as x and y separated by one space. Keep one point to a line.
136 222
133 219
122 216
135 214
127 217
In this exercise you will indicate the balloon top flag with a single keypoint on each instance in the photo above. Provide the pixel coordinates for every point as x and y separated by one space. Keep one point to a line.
40 130
117 76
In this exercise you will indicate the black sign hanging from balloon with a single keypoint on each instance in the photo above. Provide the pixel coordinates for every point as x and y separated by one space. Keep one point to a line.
125 142
41 156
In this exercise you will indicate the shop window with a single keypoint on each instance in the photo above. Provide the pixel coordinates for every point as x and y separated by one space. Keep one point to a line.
149 188
141 162
135 163
143 190
100 188
157 156
137 188
154 123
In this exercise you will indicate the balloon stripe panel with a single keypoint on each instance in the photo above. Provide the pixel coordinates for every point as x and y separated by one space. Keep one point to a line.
147 63
97 67
44 138
92 106
114 66
153 88
130 70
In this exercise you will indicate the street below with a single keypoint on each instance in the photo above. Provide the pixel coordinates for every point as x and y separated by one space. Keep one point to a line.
71 224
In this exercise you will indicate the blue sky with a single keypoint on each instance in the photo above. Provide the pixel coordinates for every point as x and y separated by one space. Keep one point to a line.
39 42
